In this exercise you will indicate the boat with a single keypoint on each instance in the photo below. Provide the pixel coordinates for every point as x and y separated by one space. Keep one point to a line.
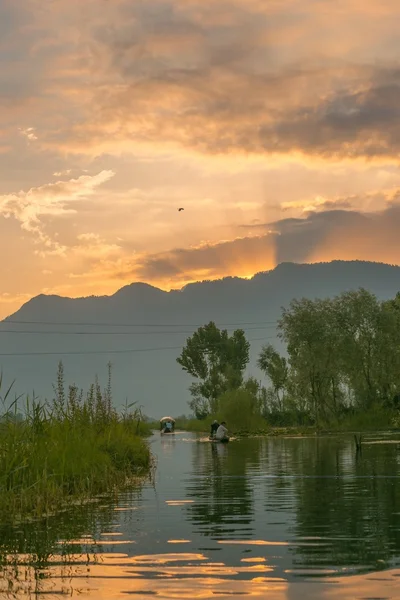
167 426
215 441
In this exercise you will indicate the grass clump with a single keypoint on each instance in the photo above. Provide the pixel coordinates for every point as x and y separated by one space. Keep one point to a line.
72 448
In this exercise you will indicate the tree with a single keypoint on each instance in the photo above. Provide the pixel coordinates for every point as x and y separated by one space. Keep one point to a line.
388 351
241 409
198 404
275 367
217 360
360 320
309 329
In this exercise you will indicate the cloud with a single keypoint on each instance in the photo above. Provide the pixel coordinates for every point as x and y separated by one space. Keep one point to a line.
8 298
50 200
93 246
320 236
62 173
211 111
229 77
29 133
241 256
101 267
316 204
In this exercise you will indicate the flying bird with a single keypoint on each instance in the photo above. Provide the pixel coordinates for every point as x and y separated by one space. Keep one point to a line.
179 209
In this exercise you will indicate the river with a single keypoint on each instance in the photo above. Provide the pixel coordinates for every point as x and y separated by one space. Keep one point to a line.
277 518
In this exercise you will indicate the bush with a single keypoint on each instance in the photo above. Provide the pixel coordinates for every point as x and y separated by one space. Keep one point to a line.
241 410
376 417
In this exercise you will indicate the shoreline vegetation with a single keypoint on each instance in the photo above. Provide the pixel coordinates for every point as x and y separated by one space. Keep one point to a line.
67 451
340 371
351 426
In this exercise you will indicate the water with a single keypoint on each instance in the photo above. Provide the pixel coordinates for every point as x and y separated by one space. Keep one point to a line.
277 518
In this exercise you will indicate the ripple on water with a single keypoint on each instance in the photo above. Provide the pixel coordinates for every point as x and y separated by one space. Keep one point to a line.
268 518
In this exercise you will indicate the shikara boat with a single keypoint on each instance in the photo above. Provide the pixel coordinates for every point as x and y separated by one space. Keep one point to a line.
216 441
167 425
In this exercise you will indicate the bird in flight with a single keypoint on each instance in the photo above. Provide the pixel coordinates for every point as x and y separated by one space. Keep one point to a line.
179 209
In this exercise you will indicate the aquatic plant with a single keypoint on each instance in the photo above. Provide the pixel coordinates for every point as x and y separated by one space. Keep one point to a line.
74 447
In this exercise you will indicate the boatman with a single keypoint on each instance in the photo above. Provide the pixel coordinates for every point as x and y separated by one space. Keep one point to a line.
214 427
222 432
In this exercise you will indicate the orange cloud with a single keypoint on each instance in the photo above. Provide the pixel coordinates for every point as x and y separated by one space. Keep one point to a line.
196 103
210 109
320 236
239 76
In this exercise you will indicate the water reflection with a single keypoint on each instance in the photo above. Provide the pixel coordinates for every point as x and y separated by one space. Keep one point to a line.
350 504
277 518
224 506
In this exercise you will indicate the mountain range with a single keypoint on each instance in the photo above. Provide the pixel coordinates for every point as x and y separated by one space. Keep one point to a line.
142 329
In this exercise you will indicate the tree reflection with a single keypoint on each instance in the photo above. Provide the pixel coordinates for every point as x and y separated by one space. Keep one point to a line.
28 549
351 504
222 488
334 510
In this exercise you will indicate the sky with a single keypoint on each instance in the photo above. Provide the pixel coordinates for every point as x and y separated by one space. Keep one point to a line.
273 123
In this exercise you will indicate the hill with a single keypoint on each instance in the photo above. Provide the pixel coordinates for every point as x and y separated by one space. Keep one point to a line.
141 329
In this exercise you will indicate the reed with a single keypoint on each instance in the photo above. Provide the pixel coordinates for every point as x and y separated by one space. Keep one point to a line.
72 448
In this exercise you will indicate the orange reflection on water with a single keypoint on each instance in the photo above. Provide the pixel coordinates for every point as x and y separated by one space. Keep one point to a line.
253 542
117 575
114 576
272 543
254 559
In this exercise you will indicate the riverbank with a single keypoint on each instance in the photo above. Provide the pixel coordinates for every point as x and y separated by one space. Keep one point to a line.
376 419
67 451
47 463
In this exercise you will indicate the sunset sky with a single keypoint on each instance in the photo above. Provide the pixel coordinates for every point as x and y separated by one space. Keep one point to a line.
274 123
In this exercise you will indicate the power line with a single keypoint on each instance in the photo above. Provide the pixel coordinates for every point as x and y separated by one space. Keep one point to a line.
132 351
97 324
45 332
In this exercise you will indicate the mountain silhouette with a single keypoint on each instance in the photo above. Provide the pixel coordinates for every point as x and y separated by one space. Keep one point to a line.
141 329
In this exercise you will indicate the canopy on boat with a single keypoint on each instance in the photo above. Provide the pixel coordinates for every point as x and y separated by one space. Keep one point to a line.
167 419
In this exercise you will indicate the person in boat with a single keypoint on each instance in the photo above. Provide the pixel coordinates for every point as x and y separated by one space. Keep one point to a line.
214 427
168 427
222 432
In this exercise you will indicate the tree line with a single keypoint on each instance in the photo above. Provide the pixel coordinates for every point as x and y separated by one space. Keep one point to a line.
342 357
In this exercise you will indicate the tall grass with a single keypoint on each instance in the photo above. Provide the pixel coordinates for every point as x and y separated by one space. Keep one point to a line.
74 447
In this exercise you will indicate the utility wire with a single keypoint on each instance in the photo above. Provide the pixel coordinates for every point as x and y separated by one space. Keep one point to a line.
132 351
52 332
90 324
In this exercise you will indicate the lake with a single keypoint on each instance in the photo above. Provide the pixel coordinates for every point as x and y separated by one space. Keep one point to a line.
277 518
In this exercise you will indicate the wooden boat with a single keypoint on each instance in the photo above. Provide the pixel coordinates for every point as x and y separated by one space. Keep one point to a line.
215 441
163 429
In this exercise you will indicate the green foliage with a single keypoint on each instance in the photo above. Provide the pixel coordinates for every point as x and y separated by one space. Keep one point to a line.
218 361
376 417
74 447
275 367
343 357
342 368
240 409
